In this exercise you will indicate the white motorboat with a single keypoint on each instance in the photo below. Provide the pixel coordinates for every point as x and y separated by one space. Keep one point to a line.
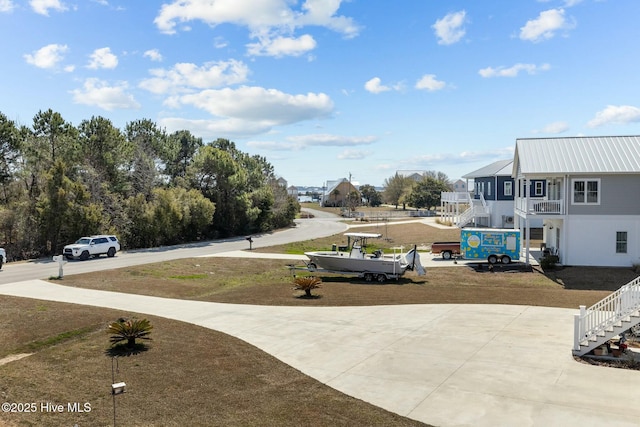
376 265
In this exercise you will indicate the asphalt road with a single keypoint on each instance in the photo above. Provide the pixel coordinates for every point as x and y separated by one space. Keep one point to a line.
321 225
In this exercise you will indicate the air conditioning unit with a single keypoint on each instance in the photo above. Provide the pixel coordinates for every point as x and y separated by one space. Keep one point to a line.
507 219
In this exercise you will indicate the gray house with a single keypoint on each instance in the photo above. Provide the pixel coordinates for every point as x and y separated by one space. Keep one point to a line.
586 191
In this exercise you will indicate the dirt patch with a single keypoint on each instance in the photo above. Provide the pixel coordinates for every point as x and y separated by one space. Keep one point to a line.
13 357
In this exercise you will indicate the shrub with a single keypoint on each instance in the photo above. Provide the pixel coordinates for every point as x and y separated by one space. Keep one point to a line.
129 330
307 284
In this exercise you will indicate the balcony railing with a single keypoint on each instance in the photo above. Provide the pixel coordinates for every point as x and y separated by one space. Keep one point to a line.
540 206
455 197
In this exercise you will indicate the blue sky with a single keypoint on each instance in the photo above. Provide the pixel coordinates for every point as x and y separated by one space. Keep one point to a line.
328 88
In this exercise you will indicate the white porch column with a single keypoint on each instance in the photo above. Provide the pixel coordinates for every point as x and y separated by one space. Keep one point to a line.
527 235
527 189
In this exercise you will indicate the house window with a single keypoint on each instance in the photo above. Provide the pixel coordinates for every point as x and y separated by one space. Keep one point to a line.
488 188
508 188
539 188
621 242
586 191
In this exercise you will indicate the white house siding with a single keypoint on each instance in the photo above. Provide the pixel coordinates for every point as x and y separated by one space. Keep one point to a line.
593 240
500 208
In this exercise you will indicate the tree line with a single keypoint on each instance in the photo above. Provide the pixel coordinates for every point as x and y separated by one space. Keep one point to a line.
59 182
424 192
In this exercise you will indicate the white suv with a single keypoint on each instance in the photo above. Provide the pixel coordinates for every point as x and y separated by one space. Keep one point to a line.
3 257
95 246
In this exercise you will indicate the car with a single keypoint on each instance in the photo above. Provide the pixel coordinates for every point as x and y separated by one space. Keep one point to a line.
92 246
3 257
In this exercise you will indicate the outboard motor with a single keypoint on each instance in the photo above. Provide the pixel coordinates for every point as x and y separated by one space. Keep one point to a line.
413 259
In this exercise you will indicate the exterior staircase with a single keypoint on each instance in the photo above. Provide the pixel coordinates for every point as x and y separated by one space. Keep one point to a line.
477 208
607 318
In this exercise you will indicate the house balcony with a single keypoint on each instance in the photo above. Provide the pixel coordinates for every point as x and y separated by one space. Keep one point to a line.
455 197
539 206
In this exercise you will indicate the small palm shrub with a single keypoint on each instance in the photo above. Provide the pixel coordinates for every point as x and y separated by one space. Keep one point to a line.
129 331
307 284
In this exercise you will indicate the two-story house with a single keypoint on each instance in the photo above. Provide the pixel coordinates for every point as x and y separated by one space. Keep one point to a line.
493 184
490 204
586 190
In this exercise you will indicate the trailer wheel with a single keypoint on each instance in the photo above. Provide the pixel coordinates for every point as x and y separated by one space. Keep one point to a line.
492 259
381 278
446 255
368 277
311 267
506 259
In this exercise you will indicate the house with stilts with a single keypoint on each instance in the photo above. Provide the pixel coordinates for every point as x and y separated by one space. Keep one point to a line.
490 204
586 190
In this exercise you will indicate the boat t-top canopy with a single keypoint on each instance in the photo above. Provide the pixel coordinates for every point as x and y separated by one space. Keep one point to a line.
364 235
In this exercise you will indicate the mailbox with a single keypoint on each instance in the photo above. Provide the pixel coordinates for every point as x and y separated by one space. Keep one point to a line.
61 262
250 240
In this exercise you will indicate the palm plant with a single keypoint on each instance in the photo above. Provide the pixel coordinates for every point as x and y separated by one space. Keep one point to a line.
129 330
307 284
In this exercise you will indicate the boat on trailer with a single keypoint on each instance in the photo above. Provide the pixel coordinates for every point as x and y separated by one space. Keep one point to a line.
355 260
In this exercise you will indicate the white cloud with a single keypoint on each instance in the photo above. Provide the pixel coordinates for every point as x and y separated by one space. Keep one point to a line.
328 140
251 110
102 58
99 93
431 161
323 13
375 86
450 29
48 56
554 128
513 71
258 104
430 83
300 142
42 7
220 42
6 6
214 128
275 145
272 22
282 46
353 155
153 54
185 76
545 25
615 114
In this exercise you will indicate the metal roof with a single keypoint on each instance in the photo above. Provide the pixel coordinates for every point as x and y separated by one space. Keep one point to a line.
501 167
577 155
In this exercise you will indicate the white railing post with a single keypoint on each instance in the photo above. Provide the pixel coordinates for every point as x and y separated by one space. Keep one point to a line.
576 332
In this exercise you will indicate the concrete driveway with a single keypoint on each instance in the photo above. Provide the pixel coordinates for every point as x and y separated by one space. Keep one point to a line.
446 365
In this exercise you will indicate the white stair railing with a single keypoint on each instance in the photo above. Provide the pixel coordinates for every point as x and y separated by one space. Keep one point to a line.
485 208
466 216
477 207
607 318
